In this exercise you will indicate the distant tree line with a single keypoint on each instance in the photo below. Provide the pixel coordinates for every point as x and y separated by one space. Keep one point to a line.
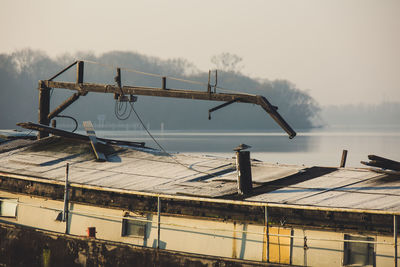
21 70
380 114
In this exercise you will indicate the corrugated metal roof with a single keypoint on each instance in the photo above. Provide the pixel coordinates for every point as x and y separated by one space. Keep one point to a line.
343 188
152 171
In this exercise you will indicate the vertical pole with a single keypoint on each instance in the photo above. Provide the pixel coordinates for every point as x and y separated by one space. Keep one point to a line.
245 184
216 81
44 107
164 83
208 85
65 212
79 72
344 157
395 239
158 221
118 78
267 229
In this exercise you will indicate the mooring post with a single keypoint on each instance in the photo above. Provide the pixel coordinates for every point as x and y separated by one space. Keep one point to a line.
158 221
79 72
65 212
395 239
344 157
44 107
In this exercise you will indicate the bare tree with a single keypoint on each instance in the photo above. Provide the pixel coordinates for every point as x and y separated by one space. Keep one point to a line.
227 62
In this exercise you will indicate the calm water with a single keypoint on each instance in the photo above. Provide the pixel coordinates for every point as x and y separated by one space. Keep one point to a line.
322 147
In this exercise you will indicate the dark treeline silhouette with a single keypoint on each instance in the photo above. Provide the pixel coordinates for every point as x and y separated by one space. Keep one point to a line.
20 72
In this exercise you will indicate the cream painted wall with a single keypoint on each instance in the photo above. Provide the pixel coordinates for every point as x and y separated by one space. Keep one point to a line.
208 237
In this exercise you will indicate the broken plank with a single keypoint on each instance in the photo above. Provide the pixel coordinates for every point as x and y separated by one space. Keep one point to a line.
62 133
93 141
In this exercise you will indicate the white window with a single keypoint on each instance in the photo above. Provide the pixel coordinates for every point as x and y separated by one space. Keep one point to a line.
358 253
8 207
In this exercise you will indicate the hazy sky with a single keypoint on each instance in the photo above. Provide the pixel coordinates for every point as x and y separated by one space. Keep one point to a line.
339 51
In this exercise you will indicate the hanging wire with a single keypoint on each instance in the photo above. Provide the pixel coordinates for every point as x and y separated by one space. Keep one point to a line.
162 148
71 118
121 110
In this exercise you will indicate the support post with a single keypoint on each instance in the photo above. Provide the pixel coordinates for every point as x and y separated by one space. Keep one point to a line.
164 83
79 72
344 157
118 78
44 107
158 221
245 184
395 239
65 212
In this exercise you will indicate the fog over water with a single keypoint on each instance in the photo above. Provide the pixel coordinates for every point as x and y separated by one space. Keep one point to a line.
317 147
323 63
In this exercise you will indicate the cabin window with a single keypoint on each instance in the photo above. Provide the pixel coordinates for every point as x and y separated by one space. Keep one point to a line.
358 253
133 226
8 207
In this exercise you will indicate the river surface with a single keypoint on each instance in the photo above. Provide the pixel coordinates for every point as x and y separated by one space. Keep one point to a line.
316 147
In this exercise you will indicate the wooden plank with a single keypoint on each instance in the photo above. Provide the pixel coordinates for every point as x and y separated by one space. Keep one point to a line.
378 158
93 141
62 133
382 164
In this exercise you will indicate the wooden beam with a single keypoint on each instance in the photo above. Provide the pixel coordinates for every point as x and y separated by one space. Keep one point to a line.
66 134
380 162
63 106
177 93
44 108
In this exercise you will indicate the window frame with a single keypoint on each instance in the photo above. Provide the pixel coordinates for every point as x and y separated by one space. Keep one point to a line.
128 219
11 201
371 257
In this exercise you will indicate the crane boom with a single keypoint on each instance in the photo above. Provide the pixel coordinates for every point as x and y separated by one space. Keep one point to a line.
83 88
